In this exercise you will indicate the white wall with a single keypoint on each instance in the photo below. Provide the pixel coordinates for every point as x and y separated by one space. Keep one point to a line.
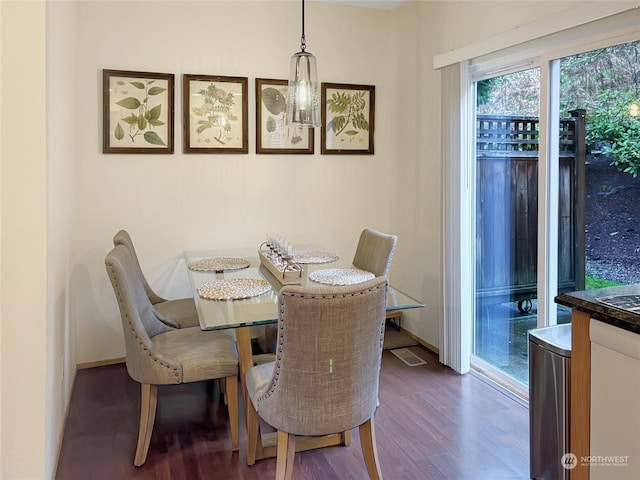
23 247
62 133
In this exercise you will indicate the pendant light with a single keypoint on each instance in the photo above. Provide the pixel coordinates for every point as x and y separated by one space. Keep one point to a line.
303 102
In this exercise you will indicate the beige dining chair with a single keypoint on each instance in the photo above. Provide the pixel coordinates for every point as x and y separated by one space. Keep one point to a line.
375 251
178 313
157 354
326 373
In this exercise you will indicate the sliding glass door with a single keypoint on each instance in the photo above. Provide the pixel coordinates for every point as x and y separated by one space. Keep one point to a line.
506 214
556 193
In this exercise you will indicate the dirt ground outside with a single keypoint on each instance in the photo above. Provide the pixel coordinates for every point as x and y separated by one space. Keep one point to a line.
612 222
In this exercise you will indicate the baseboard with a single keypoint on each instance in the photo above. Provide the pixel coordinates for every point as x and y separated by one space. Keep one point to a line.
422 342
64 423
101 363
115 361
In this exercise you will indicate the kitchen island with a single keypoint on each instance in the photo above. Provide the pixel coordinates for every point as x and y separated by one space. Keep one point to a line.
605 385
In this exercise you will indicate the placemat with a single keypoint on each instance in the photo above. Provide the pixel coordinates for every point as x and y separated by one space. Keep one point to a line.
341 276
233 288
310 256
219 264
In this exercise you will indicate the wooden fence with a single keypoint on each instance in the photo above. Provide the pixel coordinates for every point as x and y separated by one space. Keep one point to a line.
507 207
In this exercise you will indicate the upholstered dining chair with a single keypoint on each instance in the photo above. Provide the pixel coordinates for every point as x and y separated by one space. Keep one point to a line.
178 313
157 354
373 254
375 251
326 373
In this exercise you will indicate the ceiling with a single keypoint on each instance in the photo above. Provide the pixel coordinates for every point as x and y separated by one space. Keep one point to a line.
381 4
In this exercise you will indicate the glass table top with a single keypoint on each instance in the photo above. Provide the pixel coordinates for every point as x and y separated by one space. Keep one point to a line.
261 309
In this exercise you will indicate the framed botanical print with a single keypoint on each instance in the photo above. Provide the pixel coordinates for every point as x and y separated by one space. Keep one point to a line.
347 119
273 135
137 112
215 114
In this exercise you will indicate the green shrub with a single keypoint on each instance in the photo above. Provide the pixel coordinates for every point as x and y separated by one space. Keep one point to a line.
610 121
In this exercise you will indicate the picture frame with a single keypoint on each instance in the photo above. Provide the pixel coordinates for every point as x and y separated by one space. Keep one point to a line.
215 114
137 112
348 119
273 135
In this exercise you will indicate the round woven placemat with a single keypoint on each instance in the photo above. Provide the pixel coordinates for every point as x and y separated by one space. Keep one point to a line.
233 288
309 256
219 264
341 276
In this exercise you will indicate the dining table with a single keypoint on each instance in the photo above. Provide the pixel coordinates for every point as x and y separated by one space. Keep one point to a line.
209 269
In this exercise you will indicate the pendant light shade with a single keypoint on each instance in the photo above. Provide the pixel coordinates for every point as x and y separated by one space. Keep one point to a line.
303 102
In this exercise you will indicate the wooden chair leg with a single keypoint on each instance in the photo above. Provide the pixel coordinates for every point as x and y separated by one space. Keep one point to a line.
231 392
148 403
286 455
253 430
369 449
346 438
223 391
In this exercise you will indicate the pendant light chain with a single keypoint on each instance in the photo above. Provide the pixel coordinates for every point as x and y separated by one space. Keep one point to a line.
303 41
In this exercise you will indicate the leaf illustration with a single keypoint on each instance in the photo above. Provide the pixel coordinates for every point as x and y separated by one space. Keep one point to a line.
139 85
156 123
142 122
273 101
130 102
338 123
221 108
131 119
296 139
338 102
119 132
360 122
351 132
206 108
203 125
156 90
154 113
153 138
271 125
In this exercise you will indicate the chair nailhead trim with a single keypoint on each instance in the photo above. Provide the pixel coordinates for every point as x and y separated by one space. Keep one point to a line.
323 295
137 337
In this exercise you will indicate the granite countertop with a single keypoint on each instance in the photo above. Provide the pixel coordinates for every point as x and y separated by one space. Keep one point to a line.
585 301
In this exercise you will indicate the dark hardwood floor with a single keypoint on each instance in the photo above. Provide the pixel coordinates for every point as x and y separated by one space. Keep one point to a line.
431 424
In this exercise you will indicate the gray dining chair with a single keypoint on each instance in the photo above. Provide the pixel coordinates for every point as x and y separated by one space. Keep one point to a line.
375 251
157 354
326 374
178 313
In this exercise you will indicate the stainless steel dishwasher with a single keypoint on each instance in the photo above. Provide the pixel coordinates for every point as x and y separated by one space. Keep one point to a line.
549 400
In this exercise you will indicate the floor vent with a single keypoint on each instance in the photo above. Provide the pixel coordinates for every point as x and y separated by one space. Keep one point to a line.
408 357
